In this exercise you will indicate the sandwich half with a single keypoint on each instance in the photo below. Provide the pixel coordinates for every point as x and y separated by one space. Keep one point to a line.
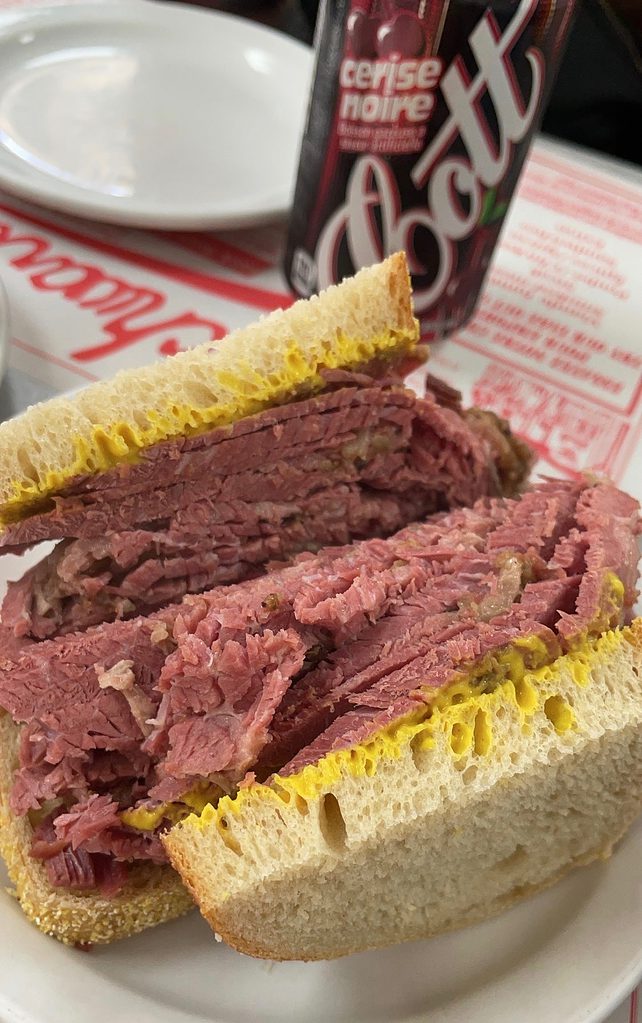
438 821
410 715
293 433
441 765
196 475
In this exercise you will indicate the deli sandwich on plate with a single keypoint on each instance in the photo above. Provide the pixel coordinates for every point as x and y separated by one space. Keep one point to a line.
308 650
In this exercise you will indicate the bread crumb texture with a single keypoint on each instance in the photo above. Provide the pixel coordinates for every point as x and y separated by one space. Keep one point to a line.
438 821
280 357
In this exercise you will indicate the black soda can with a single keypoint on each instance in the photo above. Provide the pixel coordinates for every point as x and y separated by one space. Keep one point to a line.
420 118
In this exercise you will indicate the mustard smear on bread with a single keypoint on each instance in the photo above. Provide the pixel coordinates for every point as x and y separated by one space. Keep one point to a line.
249 392
194 801
462 711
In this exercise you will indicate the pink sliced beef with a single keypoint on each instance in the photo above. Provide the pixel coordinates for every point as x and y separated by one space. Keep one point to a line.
271 673
361 459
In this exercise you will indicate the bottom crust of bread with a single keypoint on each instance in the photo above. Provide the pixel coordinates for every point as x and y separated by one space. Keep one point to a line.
430 838
153 894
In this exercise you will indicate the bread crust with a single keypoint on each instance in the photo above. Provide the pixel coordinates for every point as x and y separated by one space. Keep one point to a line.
153 894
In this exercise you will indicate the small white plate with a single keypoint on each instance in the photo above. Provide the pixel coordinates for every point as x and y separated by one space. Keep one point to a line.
570 955
151 114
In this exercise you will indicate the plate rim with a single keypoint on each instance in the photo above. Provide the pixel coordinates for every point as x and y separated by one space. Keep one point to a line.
91 205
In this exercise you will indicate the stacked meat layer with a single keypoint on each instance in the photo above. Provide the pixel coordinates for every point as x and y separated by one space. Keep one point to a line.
129 724
361 459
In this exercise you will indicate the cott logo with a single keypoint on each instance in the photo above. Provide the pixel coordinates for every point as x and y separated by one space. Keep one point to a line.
372 220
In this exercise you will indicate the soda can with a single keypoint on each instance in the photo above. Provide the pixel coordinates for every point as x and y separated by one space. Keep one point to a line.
419 122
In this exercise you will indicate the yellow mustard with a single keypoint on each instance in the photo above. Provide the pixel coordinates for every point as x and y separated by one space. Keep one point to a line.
193 801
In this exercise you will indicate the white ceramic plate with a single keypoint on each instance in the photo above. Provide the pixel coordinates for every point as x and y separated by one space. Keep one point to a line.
151 114
569 955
